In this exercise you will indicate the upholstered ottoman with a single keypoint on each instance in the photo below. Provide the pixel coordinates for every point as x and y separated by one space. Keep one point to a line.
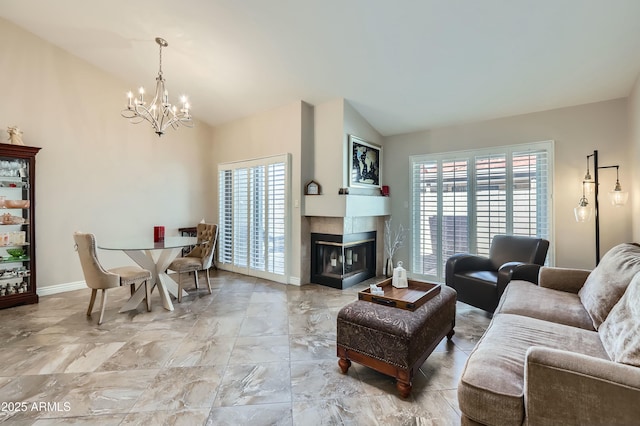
394 341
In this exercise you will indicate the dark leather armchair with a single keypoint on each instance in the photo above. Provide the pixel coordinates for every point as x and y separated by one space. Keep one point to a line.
480 281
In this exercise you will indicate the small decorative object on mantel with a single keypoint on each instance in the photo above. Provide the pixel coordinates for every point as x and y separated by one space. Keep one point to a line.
392 242
313 188
343 191
384 191
15 135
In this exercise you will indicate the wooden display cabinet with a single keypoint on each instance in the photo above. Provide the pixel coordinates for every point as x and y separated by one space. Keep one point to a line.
17 225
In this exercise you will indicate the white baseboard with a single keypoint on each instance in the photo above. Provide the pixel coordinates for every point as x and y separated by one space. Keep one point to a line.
79 285
61 288
294 281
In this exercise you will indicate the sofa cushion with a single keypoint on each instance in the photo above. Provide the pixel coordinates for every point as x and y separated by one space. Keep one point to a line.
491 387
606 284
525 298
620 332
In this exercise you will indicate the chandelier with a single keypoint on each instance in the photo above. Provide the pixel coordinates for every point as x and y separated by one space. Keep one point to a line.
160 113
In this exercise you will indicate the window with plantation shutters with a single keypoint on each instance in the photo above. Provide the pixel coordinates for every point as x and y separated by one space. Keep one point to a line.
253 217
461 200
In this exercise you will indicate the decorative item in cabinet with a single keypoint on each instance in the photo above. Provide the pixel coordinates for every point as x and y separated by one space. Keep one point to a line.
17 225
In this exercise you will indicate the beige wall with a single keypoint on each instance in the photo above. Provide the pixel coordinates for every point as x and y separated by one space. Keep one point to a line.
96 172
577 131
634 142
334 121
328 144
273 132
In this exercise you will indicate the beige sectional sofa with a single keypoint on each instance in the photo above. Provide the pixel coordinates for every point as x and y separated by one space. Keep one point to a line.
565 351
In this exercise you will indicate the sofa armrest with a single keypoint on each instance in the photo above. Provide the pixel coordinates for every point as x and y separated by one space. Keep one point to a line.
563 279
564 387
516 271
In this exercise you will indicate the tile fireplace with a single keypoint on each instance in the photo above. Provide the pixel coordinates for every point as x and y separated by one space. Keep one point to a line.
340 261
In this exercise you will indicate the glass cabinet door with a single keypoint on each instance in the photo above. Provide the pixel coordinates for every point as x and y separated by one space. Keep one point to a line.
17 225
14 222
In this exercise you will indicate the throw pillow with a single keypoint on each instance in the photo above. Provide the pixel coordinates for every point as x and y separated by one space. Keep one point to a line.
606 284
620 332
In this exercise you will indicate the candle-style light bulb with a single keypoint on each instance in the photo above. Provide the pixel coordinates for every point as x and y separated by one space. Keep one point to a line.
141 92
130 97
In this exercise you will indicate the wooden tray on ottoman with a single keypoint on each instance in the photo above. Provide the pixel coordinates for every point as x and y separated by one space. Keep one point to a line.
409 298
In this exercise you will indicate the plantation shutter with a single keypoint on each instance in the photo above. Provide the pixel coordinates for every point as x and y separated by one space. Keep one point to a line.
491 200
531 193
225 225
455 203
441 194
425 229
241 217
276 209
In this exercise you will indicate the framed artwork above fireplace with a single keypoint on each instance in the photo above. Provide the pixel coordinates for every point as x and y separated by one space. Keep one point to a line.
365 163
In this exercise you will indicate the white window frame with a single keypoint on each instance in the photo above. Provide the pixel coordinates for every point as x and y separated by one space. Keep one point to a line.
469 156
227 255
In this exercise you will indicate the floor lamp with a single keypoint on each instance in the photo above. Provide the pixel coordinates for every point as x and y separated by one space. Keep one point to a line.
590 185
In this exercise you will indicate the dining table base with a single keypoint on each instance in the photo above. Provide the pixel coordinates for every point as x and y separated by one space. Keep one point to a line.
159 278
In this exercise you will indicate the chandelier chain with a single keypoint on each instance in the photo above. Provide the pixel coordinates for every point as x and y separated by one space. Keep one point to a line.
160 67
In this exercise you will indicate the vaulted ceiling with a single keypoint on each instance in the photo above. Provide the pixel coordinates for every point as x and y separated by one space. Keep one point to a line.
405 65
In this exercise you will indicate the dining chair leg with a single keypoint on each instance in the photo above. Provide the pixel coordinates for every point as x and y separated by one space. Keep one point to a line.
195 273
92 301
179 287
132 288
103 302
147 289
208 281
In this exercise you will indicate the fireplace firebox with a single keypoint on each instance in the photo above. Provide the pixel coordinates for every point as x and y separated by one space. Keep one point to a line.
340 261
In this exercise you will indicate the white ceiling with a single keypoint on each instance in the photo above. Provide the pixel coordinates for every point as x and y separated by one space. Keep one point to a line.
405 65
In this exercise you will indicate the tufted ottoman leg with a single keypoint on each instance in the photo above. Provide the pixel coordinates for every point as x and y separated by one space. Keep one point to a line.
344 365
404 389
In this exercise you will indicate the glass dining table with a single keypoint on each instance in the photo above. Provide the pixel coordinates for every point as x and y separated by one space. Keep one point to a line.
155 257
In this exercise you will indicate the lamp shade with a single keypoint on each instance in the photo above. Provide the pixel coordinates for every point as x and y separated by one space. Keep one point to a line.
618 197
583 213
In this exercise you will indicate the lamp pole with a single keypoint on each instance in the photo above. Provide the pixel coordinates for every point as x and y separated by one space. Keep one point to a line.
595 175
595 191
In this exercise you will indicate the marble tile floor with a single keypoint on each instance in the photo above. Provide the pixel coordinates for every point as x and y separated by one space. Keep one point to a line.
253 352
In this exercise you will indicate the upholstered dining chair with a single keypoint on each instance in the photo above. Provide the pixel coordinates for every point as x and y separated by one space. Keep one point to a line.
98 278
198 259
480 281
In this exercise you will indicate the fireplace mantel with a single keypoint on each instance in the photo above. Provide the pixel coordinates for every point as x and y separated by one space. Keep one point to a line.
336 205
